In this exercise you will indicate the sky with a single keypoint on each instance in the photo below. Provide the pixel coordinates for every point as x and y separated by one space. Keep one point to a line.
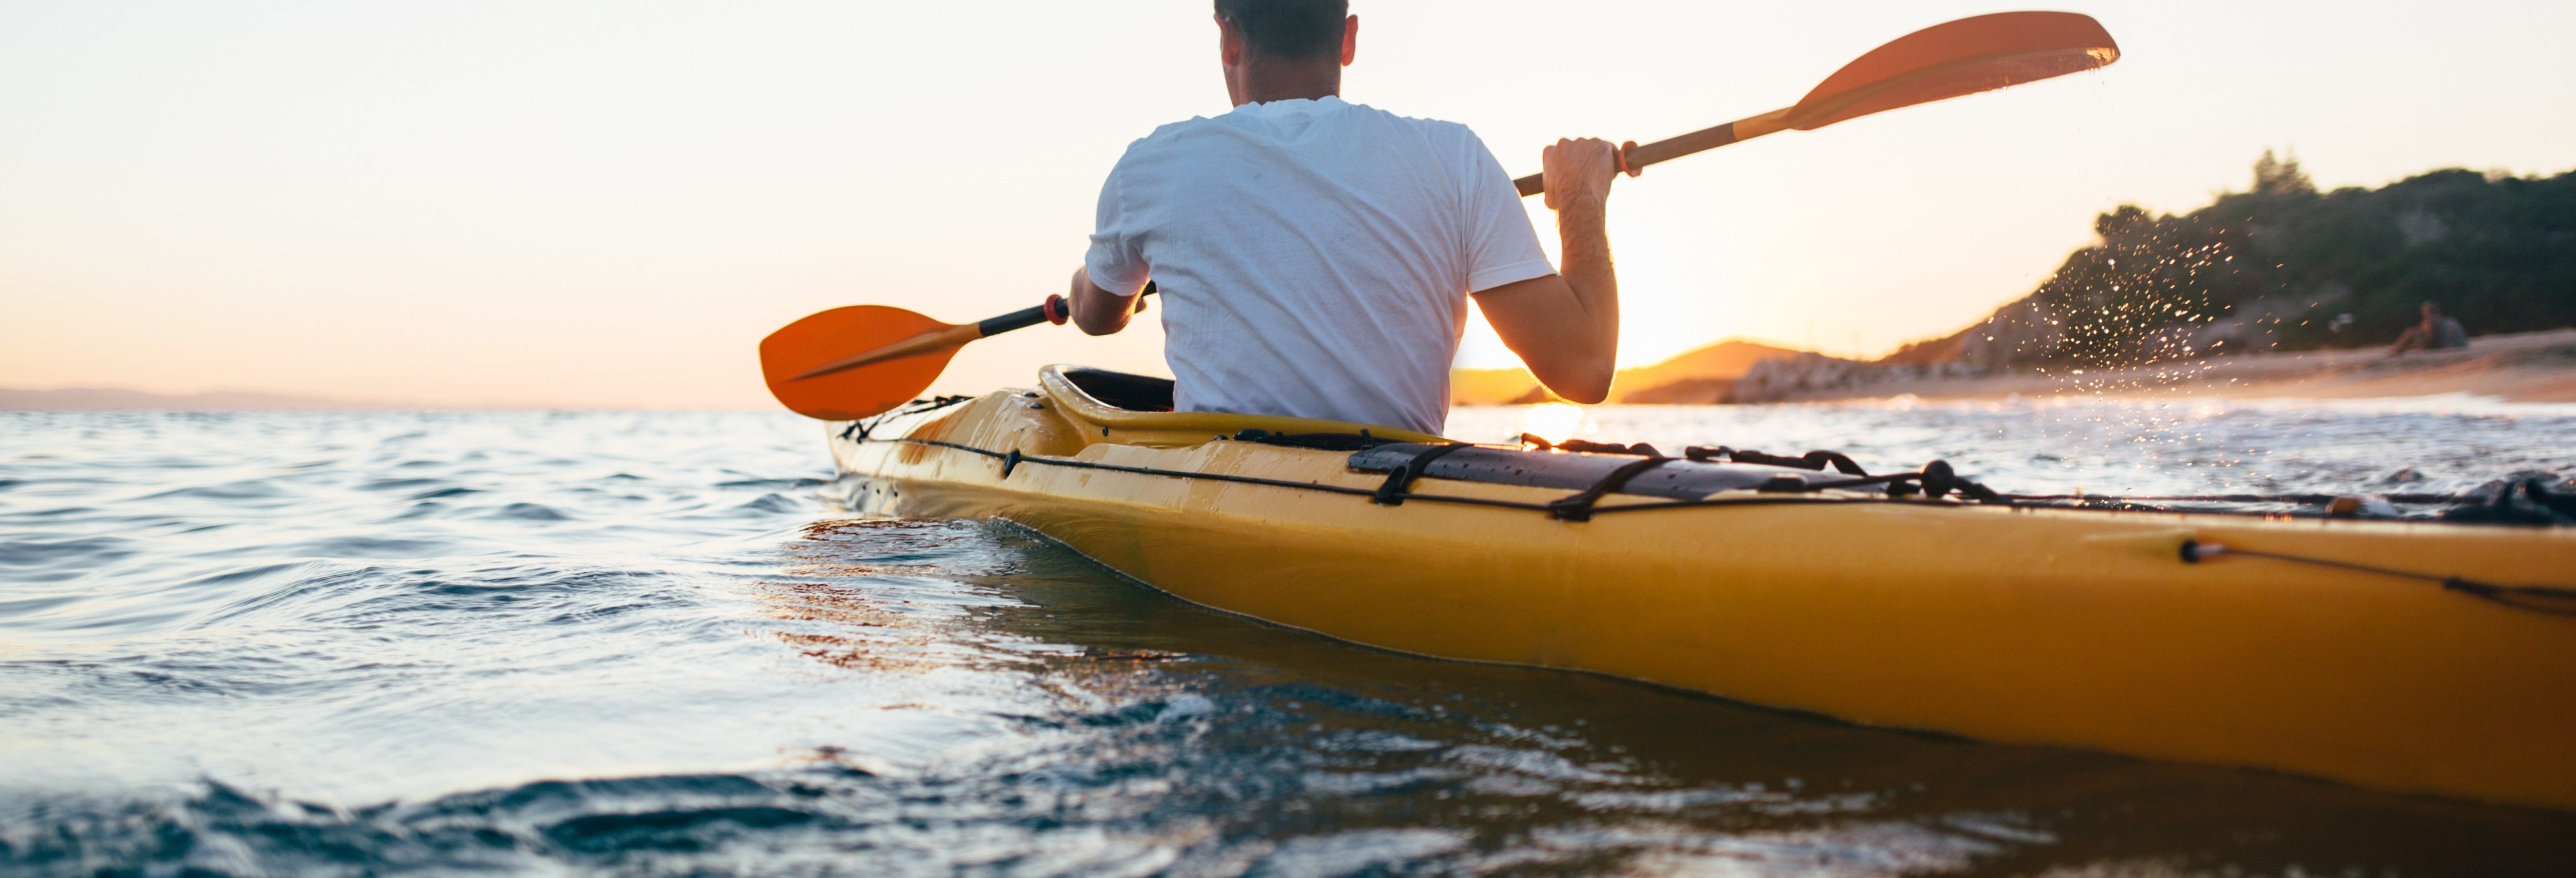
608 204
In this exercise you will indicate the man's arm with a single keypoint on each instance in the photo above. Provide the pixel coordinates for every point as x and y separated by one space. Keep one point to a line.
1099 311
1565 326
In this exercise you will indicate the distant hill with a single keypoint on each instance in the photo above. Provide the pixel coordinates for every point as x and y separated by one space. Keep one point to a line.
2283 266
1489 386
109 398
1696 376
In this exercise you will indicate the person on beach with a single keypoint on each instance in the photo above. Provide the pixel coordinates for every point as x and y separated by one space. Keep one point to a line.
2436 332
1315 257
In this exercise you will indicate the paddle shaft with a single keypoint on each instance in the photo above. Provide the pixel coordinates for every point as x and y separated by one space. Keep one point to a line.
1054 310
1671 148
1028 317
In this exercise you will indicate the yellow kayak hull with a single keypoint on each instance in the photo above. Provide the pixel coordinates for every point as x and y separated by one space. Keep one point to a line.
2033 626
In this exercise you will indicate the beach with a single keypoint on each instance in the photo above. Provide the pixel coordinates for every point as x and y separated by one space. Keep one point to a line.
2521 367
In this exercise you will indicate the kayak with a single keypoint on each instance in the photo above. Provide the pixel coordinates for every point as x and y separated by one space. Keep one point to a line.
2412 656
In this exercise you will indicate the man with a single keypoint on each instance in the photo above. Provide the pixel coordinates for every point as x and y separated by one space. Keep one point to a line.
1314 256
2435 332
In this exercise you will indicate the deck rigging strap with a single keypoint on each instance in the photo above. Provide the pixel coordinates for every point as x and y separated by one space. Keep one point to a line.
2192 552
1900 485
858 430
1399 481
1014 459
1936 481
1813 460
1580 507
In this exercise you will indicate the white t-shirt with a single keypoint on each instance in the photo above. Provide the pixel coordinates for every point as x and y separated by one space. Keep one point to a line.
1313 257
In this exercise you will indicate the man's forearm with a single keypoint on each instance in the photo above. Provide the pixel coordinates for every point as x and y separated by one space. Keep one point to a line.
1098 311
1583 228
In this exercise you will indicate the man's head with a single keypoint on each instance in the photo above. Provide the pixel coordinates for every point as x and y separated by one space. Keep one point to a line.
2432 311
1278 49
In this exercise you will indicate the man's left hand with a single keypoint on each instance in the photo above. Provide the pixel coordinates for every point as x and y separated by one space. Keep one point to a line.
1101 312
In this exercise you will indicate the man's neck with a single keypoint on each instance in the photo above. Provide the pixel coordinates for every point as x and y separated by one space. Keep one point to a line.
1261 82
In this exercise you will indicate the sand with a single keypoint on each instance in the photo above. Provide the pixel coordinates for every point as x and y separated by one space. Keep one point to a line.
2524 367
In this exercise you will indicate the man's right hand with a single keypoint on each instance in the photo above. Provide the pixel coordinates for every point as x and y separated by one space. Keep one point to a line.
1578 171
1565 326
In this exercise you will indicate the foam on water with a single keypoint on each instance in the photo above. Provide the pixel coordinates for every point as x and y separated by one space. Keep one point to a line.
341 643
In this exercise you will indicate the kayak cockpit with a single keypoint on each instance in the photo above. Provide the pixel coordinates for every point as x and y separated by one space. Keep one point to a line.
1126 409
1119 390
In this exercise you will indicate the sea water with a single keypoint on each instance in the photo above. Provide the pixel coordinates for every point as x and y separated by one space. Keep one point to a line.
346 643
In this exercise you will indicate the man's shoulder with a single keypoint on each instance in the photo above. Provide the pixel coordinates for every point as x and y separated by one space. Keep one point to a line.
1186 149
1168 133
1171 133
1439 128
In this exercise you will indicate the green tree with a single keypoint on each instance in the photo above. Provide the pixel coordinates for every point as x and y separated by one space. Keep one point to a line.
2279 262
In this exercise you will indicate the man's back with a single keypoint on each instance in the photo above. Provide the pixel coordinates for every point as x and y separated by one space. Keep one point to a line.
1314 256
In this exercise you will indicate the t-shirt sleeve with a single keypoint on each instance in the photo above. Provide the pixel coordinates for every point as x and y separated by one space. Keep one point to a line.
1115 261
1501 247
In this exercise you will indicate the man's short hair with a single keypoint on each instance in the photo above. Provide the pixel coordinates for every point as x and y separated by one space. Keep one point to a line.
1289 30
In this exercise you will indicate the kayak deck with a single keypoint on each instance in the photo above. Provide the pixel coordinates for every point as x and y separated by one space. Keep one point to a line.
2019 625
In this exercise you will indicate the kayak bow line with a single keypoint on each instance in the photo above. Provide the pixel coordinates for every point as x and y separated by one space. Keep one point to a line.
1948 60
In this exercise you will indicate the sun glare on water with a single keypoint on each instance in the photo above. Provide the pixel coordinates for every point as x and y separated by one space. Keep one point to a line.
1552 421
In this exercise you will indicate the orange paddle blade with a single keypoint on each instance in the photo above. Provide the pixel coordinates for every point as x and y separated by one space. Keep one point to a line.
827 336
1956 58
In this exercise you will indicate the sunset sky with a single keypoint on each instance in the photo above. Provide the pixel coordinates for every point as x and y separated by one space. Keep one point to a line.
610 203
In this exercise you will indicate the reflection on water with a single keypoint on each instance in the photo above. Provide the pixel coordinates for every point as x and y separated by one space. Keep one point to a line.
1553 421
337 643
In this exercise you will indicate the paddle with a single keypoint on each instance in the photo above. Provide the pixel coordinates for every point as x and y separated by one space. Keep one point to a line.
900 353
1962 57
809 369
